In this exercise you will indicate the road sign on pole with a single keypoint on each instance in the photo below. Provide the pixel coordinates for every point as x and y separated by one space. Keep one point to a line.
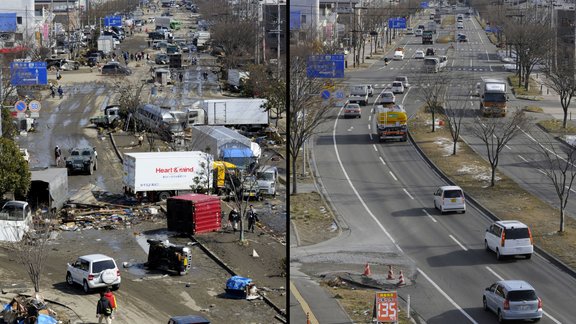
325 94
325 66
28 73
20 106
34 106
113 21
386 307
397 23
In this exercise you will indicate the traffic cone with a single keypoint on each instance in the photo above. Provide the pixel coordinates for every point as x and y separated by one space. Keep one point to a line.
367 271
390 273
401 279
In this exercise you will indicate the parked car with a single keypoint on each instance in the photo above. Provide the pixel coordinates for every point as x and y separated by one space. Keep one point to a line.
162 59
352 110
82 160
157 35
68 65
513 300
419 54
449 198
94 271
114 68
508 238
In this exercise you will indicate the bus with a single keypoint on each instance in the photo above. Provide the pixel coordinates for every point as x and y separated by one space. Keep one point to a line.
159 120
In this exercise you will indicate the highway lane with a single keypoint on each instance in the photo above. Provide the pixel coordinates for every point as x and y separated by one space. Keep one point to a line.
437 247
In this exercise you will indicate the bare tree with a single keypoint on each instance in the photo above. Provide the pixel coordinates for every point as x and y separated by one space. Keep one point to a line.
432 92
495 133
562 80
306 111
454 112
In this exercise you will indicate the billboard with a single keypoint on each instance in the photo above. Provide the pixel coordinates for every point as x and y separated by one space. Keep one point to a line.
113 21
28 73
8 22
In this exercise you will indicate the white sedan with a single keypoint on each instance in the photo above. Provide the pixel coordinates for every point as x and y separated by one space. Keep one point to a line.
419 54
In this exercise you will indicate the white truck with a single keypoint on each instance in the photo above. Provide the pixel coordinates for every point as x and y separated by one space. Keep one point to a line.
243 114
435 64
160 175
212 139
493 98
359 94
201 37
106 44
431 26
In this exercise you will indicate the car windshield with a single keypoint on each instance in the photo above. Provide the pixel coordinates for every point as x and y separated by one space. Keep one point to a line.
452 194
75 153
86 153
517 233
494 97
100 266
265 176
521 295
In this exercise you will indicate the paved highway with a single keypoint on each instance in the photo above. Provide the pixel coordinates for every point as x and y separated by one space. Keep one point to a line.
383 192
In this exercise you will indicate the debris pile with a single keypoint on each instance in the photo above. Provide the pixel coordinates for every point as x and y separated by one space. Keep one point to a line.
24 309
76 218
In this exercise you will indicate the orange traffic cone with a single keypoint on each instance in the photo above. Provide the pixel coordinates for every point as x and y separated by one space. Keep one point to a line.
390 273
401 279
367 271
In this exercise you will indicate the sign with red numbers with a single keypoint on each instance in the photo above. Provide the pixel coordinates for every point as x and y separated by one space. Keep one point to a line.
386 304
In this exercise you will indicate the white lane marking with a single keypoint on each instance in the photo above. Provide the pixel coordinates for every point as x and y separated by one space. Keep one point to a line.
409 195
522 158
369 127
369 117
455 240
393 176
542 171
543 312
427 214
375 148
382 160
370 134
356 191
570 189
508 147
350 129
447 297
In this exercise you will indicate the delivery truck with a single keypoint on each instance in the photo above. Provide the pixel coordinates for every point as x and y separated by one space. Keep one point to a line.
106 44
244 114
493 98
213 139
391 123
160 175
359 94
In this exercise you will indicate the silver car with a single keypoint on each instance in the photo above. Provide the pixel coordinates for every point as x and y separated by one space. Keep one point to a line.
513 300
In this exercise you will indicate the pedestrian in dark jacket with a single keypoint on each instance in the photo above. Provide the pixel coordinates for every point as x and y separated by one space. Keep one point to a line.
112 299
104 309
252 218
233 219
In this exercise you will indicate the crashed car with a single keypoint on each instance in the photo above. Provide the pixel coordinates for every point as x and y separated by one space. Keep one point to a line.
82 160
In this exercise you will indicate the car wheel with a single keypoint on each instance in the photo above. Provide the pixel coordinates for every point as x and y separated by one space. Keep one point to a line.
536 320
486 246
163 196
95 165
528 256
69 279
90 169
85 287
485 304
498 255
435 206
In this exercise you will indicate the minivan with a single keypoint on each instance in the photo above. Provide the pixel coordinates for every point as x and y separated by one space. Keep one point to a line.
397 87
449 198
509 237
513 300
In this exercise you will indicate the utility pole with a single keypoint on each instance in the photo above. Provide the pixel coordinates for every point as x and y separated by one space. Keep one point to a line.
278 38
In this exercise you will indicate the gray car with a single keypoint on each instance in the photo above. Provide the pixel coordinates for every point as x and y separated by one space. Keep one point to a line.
513 300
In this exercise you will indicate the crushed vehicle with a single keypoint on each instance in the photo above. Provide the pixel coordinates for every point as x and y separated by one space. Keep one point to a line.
169 257
110 119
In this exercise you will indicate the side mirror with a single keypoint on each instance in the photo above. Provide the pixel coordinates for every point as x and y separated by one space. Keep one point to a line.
487 289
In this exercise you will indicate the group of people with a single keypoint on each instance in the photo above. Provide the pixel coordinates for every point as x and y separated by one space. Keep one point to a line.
234 219
106 306
53 91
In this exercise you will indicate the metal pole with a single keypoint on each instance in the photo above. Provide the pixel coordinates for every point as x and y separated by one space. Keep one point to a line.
278 35
408 307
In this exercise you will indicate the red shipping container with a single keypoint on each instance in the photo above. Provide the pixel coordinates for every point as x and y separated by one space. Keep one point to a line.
194 213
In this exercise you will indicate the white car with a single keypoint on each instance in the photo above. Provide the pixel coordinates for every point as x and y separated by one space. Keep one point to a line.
398 55
449 198
409 31
404 80
94 271
418 32
397 87
509 238
419 54
25 154
387 97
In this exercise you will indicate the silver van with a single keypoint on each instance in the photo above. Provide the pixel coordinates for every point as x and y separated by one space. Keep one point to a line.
449 198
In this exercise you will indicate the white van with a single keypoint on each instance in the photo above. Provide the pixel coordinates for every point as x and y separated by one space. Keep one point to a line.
15 220
449 198
509 238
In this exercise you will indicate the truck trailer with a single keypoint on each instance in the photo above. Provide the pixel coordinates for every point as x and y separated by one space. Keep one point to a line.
244 114
391 123
493 98
160 175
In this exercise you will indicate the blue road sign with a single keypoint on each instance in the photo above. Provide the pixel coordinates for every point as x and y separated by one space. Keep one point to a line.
325 66
28 73
20 106
339 94
397 23
34 106
423 4
113 21
325 94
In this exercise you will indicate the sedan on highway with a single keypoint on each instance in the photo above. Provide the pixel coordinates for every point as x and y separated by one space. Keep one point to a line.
419 54
513 300
352 110
387 97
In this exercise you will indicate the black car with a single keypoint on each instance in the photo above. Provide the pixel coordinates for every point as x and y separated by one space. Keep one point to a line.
430 52
156 35
114 68
162 59
462 38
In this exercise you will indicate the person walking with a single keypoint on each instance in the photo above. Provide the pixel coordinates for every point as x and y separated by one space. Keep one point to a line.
60 92
57 155
104 309
112 299
252 218
181 77
140 140
233 219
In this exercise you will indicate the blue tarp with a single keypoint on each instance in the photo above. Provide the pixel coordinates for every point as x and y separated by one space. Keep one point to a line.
237 153
46 319
8 22
237 283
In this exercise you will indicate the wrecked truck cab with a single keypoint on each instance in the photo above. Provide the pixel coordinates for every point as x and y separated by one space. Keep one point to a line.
169 257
